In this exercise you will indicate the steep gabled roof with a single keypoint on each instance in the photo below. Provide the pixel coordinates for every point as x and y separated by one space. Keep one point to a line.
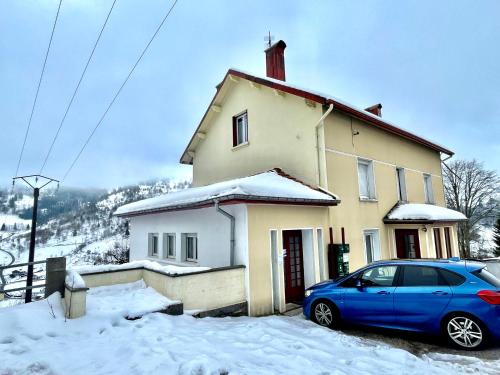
317 97
271 187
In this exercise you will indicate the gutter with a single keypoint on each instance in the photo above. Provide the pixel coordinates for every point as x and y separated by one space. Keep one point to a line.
319 124
233 229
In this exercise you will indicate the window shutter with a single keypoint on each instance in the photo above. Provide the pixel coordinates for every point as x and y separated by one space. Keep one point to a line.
235 133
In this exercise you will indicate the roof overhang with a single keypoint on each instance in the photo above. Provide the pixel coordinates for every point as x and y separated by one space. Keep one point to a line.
235 199
234 75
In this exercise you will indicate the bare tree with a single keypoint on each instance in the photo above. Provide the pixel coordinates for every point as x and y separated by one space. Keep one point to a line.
470 189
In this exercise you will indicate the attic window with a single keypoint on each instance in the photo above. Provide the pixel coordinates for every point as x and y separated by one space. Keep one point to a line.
240 129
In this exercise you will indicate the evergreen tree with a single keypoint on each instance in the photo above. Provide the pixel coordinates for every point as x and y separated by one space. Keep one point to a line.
496 238
3 227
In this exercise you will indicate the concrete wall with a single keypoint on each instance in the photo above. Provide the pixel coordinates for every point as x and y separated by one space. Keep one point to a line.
75 302
212 228
261 220
112 278
278 127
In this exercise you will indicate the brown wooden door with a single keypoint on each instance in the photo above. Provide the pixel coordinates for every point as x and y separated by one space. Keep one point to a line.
293 266
407 243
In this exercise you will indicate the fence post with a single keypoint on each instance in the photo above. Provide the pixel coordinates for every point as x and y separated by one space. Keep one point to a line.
55 275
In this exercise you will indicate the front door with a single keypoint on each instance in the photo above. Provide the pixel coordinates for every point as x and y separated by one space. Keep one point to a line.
293 266
407 243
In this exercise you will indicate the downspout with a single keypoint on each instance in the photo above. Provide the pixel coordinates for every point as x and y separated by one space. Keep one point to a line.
233 228
316 128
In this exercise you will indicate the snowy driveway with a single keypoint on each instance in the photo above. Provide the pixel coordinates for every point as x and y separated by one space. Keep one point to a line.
33 341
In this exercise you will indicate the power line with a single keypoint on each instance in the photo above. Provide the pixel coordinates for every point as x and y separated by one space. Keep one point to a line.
38 88
76 89
119 91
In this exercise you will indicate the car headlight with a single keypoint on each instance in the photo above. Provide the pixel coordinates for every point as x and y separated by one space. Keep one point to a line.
308 292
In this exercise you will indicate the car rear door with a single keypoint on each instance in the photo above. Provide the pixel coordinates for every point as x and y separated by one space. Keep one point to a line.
372 302
420 297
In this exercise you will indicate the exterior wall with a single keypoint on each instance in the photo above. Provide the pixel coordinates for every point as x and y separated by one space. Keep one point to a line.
112 278
75 302
387 152
213 235
203 291
280 134
261 220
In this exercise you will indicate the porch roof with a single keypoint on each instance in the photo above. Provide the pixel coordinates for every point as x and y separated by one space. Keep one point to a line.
273 187
404 213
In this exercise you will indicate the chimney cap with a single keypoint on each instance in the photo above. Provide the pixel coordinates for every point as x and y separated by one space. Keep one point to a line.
280 43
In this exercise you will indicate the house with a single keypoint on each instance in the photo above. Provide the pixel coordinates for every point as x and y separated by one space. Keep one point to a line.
279 173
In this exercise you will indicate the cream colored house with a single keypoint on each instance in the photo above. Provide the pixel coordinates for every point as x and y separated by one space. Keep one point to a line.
281 172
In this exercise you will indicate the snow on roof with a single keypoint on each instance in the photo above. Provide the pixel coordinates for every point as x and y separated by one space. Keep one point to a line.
147 264
423 212
267 186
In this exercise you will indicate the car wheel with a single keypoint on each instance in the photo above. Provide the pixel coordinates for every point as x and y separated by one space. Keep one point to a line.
465 332
325 314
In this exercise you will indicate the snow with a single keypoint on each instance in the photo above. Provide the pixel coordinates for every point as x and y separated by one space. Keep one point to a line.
10 219
331 97
74 280
103 342
150 265
420 211
267 184
125 300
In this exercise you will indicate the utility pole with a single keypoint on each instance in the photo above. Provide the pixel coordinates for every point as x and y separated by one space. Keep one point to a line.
36 193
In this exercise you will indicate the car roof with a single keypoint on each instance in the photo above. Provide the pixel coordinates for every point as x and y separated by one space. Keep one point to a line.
452 263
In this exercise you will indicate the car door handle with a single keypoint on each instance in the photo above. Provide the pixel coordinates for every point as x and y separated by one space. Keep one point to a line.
384 292
440 293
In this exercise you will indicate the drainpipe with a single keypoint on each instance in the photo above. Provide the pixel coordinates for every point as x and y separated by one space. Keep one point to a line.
316 128
233 222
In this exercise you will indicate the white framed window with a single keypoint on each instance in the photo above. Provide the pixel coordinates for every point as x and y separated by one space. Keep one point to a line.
366 179
190 247
429 193
169 245
153 244
371 240
240 129
401 181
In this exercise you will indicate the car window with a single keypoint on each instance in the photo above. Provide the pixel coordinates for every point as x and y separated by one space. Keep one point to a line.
379 276
421 276
484 275
451 278
350 282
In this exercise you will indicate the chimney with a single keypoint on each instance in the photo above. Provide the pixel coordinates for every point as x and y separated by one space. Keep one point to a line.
375 109
275 61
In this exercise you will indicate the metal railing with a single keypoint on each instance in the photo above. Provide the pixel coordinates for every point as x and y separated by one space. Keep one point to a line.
2 285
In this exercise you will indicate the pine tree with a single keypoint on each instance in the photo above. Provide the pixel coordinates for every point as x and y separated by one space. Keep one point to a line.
496 238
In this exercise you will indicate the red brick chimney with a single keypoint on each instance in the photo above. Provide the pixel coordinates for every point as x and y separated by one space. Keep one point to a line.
375 109
275 61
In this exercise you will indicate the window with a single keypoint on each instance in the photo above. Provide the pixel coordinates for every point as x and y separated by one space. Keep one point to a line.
447 241
379 276
421 276
153 244
400 176
429 194
169 245
240 129
366 179
372 245
451 278
190 247
437 243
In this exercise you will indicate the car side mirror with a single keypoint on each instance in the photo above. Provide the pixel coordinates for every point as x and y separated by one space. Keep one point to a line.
359 284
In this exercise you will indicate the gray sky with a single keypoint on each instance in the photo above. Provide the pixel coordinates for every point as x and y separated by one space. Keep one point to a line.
433 65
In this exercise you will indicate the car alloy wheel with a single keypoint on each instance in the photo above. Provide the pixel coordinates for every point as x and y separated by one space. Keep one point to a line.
323 314
465 332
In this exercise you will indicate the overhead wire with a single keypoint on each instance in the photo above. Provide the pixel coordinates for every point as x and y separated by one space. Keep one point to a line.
119 90
70 103
38 88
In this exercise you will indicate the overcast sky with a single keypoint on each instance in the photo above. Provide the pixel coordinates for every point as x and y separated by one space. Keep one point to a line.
433 65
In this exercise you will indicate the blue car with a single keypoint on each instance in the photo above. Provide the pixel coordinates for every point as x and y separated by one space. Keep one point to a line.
457 299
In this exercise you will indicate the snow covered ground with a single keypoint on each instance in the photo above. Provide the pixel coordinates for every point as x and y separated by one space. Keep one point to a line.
33 341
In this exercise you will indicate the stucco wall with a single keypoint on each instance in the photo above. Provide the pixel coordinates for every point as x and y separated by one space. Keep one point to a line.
387 151
213 234
280 134
112 278
261 220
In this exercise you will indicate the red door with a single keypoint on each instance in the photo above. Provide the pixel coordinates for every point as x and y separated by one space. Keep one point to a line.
293 266
407 243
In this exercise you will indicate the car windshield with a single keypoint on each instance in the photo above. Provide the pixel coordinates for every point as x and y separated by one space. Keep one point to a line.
487 276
